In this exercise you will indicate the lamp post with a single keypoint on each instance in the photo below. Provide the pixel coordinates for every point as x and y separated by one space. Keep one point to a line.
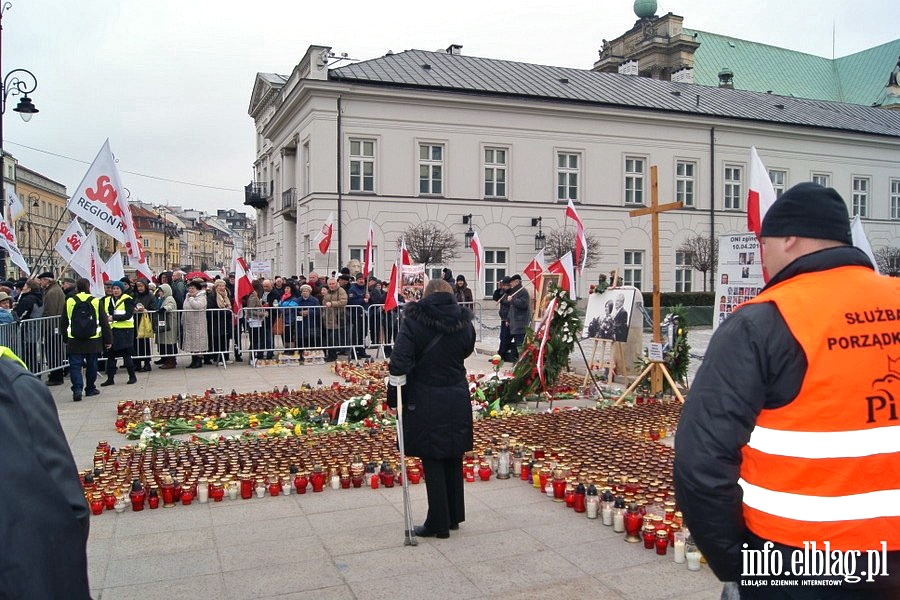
540 240
467 220
16 82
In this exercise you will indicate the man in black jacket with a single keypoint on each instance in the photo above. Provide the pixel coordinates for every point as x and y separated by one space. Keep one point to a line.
767 452
44 518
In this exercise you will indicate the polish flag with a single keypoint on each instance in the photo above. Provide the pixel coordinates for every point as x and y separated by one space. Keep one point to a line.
760 193
404 253
323 238
478 248
390 301
564 267
243 282
580 238
368 257
544 333
534 269
858 235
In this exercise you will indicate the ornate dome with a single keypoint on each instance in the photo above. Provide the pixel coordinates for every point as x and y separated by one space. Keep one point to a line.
644 9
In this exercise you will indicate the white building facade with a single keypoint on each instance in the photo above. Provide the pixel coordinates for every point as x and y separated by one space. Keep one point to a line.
434 137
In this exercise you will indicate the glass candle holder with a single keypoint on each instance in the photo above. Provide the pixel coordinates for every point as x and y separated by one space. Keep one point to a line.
662 542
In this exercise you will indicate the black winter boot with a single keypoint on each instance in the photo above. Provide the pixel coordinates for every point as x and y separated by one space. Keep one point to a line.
110 380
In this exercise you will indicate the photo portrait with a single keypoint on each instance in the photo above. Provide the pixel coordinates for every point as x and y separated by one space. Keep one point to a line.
609 315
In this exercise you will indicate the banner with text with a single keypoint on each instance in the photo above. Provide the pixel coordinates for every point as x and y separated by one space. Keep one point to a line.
740 274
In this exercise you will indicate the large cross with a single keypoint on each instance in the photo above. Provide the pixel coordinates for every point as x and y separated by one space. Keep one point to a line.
653 210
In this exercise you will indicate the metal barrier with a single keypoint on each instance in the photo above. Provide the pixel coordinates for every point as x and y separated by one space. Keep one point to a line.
38 342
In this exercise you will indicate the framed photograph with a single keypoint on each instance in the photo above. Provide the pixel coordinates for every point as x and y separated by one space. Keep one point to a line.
543 295
609 314
413 282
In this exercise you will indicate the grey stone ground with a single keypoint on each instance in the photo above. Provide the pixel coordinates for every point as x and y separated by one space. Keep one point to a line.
515 543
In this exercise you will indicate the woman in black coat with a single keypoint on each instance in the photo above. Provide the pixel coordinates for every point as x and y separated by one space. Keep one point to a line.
436 335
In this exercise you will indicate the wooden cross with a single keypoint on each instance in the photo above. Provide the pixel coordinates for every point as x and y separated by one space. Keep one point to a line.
653 210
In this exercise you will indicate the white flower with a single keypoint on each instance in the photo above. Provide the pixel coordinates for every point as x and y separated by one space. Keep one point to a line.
364 402
367 397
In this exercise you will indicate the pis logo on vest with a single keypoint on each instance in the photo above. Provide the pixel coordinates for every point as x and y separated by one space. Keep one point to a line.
882 404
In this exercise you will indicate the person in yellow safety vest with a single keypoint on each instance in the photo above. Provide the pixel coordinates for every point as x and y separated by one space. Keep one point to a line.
121 320
787 455
44 516
84 347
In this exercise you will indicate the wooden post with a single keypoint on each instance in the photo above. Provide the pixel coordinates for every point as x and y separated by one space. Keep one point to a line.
653 210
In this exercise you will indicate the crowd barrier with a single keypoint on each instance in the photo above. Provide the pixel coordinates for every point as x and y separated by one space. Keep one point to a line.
218 334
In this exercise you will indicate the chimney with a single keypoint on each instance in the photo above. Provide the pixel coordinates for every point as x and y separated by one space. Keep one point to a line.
683 75
726 79
455 49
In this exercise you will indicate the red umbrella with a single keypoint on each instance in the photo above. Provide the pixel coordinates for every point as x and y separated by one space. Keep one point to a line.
197 275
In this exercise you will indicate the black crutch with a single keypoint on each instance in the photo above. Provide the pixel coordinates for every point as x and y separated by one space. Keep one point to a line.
410 534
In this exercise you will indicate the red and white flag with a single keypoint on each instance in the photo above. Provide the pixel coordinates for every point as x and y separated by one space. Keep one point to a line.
760 192
243 282
564 267
580 238
543 332
114 268
393 289
8 242
323 238
87 263
478 248
369 256
70 240
404 253
534 269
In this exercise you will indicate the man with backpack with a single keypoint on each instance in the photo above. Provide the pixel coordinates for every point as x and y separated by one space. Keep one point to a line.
87 332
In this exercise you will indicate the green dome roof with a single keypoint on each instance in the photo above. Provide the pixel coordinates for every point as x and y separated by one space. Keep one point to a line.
644 9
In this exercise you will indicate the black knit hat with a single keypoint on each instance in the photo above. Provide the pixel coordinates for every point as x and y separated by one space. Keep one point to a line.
811 211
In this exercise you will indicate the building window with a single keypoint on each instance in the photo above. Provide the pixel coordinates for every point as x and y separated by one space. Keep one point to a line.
359 253
684 273
895 199
431 169
434 272
634 180
495 269
306 188
634 268
362 165
779 181
685 181
566 176
860 197
733 193
822 179
495 173
146 242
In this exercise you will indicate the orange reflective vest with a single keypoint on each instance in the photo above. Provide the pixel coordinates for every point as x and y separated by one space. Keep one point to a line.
826 467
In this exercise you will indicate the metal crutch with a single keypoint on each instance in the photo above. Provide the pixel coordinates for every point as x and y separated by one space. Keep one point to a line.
410 533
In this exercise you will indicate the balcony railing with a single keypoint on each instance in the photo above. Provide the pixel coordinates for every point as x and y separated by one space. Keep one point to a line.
289 198
257 194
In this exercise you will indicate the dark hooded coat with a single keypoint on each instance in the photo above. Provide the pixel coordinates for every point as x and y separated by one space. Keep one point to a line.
437 416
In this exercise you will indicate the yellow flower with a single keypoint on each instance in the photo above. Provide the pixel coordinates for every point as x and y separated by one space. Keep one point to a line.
494 413
298 430
295 411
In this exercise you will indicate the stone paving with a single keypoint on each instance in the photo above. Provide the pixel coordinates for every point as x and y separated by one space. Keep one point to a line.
515 543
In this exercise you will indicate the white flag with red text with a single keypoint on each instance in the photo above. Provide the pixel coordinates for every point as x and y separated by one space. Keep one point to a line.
323 238
564 267
760 192
369 256
8 242
70 240
534 269
14 203
478 249
87 263
580 237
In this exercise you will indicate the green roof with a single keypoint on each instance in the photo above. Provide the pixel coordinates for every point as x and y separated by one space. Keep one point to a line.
855 79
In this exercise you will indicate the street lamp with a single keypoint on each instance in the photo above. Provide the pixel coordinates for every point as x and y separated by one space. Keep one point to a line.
16 82
540 240
467 220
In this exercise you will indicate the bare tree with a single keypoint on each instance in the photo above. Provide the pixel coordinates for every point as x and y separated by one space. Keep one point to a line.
429 244
561 241
703 254
888 259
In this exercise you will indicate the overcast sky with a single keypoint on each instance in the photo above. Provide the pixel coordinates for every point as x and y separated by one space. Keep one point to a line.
169 82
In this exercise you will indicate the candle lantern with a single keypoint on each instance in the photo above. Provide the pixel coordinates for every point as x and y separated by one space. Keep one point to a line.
691 554
301 480
619 515
96 504
153 498
484 471
580 504
525 471
137 496
662 542
678 547
517 463
246 485
203 490
167 487
606 507
649 535
317 478
503 464
633 522
592 502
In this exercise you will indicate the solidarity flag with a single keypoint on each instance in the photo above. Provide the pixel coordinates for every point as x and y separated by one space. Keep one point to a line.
8 242
564 267
70 241
534 269
114 269
580 238
369 256
323 238
87 263
16 208
478 248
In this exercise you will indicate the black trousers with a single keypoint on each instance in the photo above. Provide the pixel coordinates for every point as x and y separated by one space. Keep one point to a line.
444 487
